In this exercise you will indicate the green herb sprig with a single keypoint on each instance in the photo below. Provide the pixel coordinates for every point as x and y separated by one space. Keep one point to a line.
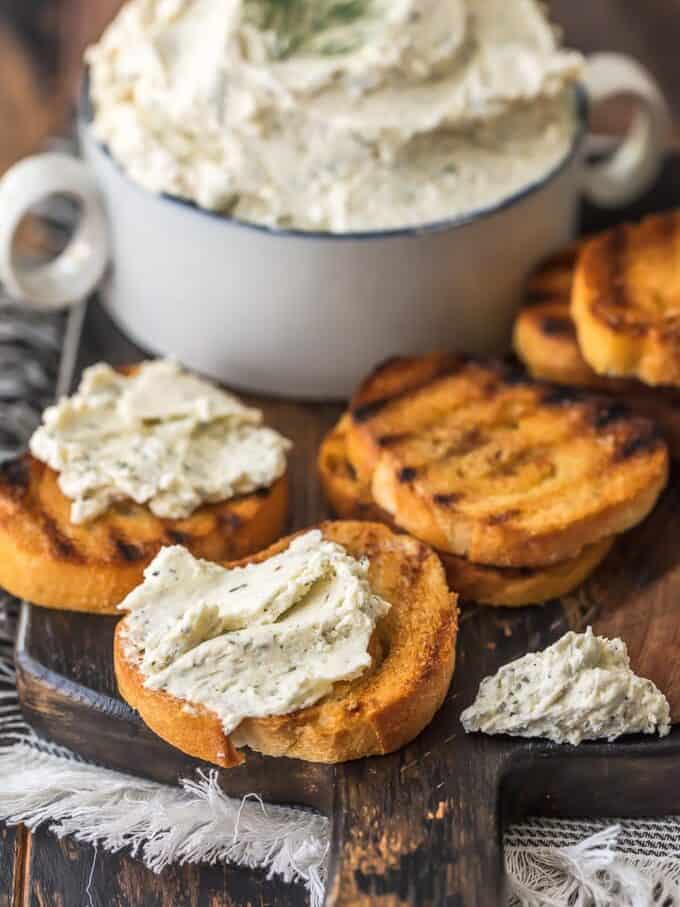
299 24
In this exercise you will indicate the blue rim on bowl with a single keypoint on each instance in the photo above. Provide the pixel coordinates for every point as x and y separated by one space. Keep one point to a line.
85 115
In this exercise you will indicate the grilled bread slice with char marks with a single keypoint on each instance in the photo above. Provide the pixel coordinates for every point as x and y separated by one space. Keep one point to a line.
626 301
544 334
351 498
546 342
544 338
48 560
480 461
413 649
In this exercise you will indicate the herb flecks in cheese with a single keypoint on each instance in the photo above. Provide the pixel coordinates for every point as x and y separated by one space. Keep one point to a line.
335 115
161 437
580 688
265 639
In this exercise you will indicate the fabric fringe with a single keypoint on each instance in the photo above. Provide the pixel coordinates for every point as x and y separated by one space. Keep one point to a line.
160 825
582 875
595 872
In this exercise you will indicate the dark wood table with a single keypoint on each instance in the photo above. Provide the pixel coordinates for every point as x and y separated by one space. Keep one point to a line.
40 46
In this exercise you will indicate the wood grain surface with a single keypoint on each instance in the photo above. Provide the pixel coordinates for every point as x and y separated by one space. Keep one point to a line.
39 67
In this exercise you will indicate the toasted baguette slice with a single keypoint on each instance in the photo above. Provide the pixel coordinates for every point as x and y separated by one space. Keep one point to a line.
544 335
48 560
626 301
413 649
350 498
544 338
480 461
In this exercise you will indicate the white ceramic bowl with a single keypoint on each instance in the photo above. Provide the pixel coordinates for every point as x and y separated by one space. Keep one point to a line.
307 314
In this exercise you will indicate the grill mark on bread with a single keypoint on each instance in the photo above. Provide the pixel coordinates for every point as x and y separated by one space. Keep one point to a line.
366 411
469 441
642 440
177 536
392 440
607 413
512 465
556 326
59 544
348 468
129 552
447 499
499 519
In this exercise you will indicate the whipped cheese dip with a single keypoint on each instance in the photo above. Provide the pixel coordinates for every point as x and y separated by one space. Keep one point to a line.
335 115
160 437
264 639
580 688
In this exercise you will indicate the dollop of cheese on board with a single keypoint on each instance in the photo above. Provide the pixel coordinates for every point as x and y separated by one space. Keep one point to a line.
159 436
580 688
264 639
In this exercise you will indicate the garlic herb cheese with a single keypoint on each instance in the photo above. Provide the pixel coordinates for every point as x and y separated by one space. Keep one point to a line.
161 437
265 639
579 688
337 115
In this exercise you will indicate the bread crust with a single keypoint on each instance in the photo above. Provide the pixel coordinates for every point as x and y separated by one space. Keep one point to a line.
481 583
480 461
625 301
380 711
50 561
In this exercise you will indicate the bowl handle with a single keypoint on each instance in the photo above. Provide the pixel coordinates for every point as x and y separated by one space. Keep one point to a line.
74 273
635 165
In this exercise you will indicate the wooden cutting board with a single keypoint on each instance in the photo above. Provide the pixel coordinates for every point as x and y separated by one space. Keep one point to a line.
422 826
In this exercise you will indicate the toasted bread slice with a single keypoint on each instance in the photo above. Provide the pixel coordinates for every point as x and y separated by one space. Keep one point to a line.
413 649
626 301
48 560
544 334
515 587
350 498
545 340
478 460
